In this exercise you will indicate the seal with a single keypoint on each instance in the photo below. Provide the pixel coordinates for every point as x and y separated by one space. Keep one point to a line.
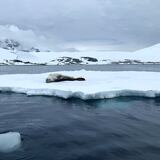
55 77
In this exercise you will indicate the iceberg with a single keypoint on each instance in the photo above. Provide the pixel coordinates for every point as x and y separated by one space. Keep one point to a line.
10 141
98 84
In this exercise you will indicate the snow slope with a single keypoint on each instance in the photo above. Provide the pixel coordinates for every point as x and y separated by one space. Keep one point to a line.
151 54
98 85
10 141
5 54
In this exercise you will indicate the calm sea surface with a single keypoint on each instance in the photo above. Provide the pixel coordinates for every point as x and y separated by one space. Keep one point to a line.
125 128
43 69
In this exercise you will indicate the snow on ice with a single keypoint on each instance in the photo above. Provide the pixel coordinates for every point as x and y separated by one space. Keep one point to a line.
98 85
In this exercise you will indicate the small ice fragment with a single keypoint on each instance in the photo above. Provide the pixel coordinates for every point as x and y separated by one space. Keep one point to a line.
10 141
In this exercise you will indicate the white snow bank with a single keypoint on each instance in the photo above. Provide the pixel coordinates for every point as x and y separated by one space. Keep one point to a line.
10 141
98 85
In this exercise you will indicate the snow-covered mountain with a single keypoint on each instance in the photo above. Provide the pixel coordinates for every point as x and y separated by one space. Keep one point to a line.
12 56
10 44
13 45
15 38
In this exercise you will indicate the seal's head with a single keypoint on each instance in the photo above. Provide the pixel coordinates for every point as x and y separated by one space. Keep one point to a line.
52 77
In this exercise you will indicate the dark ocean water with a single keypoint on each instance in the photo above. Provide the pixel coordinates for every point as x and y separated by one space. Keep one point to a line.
125 128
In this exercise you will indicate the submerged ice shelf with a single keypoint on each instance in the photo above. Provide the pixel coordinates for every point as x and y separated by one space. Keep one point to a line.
98 85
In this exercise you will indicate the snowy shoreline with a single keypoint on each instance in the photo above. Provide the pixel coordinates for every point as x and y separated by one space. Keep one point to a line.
149 55
98 85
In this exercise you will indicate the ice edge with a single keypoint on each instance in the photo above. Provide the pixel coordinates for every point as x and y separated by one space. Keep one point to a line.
82 95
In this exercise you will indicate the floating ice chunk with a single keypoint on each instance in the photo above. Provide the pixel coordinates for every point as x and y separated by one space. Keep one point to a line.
98 85
10 141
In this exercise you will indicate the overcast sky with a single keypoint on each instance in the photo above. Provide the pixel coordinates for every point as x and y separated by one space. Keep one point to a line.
113 21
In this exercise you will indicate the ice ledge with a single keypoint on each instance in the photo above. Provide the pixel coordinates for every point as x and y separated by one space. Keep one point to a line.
82 95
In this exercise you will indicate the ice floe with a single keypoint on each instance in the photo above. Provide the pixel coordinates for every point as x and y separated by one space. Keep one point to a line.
10 141
98 84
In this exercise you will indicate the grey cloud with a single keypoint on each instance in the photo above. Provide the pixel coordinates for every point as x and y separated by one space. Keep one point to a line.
113 21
